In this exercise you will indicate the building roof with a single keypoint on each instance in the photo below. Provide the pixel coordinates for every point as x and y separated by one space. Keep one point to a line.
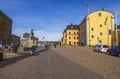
84 19
73 26
5 16
15 36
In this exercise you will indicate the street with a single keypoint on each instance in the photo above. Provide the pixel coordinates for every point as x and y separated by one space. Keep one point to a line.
47 64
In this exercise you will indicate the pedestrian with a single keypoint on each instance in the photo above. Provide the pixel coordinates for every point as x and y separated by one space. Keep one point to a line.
60 44
54 45
33 50
46 47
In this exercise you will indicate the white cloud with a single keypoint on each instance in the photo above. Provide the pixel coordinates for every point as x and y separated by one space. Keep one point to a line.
49 36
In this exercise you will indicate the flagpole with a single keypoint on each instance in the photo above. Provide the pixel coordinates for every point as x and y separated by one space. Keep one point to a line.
88 9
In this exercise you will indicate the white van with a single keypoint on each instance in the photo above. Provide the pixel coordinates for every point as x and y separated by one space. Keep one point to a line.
104 48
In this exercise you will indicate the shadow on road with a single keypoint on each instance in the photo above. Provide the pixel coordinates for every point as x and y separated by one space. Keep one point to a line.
22 56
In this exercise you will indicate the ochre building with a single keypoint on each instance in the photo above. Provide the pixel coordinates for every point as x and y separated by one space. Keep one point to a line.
71 35
118 29
5 28
97 28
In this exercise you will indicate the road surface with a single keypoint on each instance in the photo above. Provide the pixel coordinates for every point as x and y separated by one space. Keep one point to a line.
47 64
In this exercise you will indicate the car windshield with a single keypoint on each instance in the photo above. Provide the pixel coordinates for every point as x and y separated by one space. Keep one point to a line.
105 46
98 46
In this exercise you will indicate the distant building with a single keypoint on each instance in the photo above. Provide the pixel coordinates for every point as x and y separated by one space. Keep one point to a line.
97 28
30 41
71 35
5 28
24 42
15 40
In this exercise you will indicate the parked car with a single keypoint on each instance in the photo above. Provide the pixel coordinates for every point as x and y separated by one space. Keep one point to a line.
104 48
97 47
101 48
115 50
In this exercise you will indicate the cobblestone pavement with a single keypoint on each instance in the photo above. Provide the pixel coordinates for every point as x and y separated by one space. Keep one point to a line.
46 64
100 63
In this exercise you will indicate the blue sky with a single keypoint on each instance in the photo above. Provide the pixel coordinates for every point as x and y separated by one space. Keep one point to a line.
50 17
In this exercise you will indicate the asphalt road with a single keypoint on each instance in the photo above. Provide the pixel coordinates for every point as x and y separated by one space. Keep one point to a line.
45 65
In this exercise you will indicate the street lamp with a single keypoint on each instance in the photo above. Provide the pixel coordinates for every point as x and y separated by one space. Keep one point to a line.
32 33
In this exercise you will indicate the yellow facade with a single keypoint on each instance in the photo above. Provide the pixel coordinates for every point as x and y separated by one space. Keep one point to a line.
64 41
118 35
71 36
5 28
97 28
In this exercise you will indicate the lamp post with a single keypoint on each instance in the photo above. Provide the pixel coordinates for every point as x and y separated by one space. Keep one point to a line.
32 33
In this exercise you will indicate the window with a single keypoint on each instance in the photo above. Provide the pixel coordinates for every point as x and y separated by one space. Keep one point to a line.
99 14
69 32
77 37
77 32
74 32
74 37
92 29
92 36
77 42
100 33
110 32
74 43
100 25
69 37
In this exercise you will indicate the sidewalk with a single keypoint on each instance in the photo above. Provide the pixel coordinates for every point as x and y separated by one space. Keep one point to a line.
20 52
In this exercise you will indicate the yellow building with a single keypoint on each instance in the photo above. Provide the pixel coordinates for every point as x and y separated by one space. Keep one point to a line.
64 39
118 35
97 28
5 28
71 35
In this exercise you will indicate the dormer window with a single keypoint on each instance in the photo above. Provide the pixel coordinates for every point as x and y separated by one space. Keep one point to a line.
99 14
